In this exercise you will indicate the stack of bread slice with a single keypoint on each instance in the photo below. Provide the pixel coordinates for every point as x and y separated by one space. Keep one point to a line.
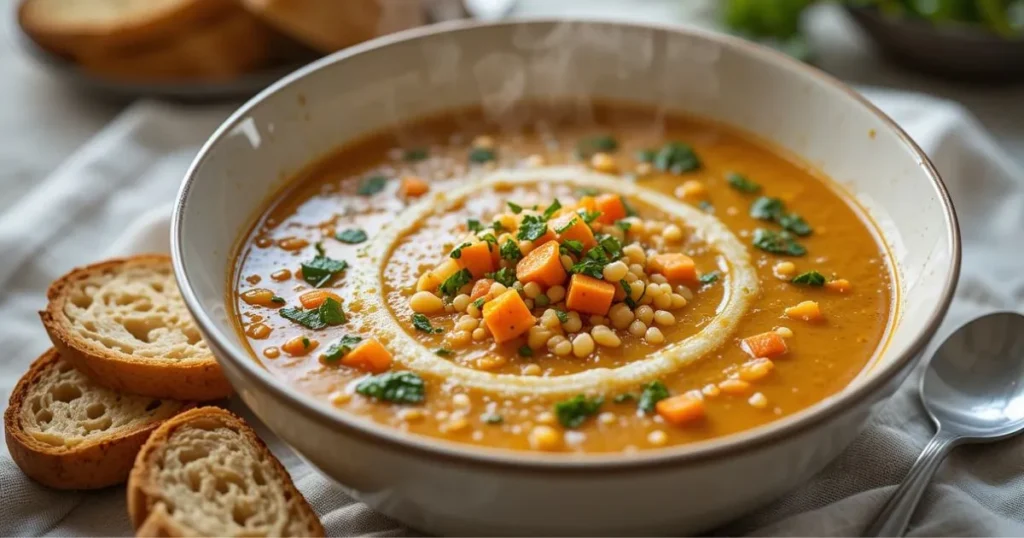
118 395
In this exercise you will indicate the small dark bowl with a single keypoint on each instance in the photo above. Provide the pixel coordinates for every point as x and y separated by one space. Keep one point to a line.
955 52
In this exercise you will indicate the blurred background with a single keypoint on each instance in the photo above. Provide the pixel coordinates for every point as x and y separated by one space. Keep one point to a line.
68 67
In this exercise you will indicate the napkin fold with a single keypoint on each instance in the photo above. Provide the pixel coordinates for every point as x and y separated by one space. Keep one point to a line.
131 171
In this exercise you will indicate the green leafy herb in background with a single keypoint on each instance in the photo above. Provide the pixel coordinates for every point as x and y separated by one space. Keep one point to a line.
573 412
777 243
321 269
329 313
372 185
337 351
652 393
351 236
810 278
398 387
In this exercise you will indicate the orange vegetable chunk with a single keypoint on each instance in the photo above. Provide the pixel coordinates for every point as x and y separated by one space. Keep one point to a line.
681 409
313 299
298 346
807 311
369 356
840 285
507 316
588 203
413 186
477 258
589 295
765 345
430 280
611 208
481 288
542 265
674 266
578 231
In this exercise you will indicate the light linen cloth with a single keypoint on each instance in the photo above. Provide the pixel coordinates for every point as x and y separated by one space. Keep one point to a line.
130 172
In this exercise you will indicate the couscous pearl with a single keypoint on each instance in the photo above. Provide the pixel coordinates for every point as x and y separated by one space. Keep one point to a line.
621 316
563 348
460 400
654 336
544 438
556 293
531 290
636 269
784 332
664 318
574 324
711 390
784 270
411 415
637 328
582 345
606 418
678 301
458 338
672 233
615 271
658 279
663 301
340 398
566 262
645 314
633 251
531 369
630 278
472 310
460 302
598 320
657 438
547 417
758 400
425 302
497 289
467 323
602 162
538 337
685 292
479 334
605 337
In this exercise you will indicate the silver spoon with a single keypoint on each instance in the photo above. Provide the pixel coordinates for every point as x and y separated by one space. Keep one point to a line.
973 389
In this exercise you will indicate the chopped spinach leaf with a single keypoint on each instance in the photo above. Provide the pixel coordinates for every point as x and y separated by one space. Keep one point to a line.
351 236
653 392
399 387
594 144
504 276
677 158
457 253
372 185
516 208
482 155
497 227
571 246
422 323
451 285
810 278
443 352
510 251
321 269
565 227
327 314
766 208
611 245
741 183
532 228
525 351
588 216
479 303
796 224
474 225
777 243
573 412
415 154
336 351
624 397
708 278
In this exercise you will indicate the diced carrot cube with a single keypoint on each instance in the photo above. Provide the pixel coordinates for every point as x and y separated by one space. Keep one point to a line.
611 208
476 258
481 288
589 295
807 311
674 266
315 298
765 345
507 316
369 356
573 229
840 285
681 409
413 186
298 346
542 265
587 203
734 386
430 280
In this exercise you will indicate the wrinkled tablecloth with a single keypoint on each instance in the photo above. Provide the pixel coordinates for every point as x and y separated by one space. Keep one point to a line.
113 197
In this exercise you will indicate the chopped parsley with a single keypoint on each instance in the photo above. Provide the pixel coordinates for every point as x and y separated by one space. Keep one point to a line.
562 316
588 216
474 225
422 323
479 303
653 392
629 293
777 243
565 227
510 251
551 210
594 144
646 155
277 299
443 352
457 253
796 224
337 351
774 209
398 387
623 225
497 227
372 185
492 418
571 246
624 397
327 314
593 263
677 158
573 412
451 285
810 278
611 246
532 228
709 278
305 342
525 351
504 276
490 239
516 208
482 155
415 154
741 183
351 236
321 269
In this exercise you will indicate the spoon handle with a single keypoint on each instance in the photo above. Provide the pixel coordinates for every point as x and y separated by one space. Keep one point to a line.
894 517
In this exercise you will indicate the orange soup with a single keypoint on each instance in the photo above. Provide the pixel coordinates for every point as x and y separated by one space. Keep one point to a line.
627 282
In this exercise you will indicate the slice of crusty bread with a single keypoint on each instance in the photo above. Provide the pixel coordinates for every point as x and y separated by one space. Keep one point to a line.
85 27
123 323
206 473
330 25
219 50
67 432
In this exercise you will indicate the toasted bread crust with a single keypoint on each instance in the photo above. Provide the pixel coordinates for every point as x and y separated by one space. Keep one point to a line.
90 36
146 508
187 379
90 465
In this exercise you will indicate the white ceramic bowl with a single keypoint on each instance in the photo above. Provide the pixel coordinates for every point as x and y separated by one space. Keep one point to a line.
447 488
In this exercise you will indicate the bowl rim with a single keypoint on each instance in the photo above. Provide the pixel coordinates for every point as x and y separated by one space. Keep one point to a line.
528 461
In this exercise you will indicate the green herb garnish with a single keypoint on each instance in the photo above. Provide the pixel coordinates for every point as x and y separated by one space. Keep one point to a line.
611 246
422 323
773 209
504 276
565 227
492 418
532 228
372 185
653 392
573 412
482 155
601 143
443 352
587 191
510 251
588 216
525 351
474 225
415 154
277 299
741 183
351 236
645 155
541 300
451 285
516 208
624 397
677 158
336 351
708 278
810 278
571 246
796 224
562 316
629 293
305 342
321 269
706 206
479 303
777 243
329 313
623 225
457 253
551 209
398 387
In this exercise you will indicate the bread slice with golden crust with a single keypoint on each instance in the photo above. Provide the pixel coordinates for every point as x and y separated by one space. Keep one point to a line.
66 432
81 28
206 473
123 323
